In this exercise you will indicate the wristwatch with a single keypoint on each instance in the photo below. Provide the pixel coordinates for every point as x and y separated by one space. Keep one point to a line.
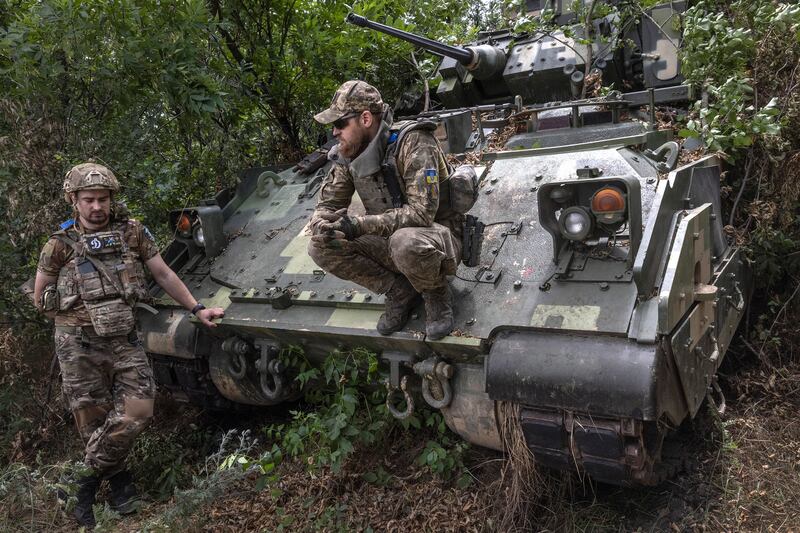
197 308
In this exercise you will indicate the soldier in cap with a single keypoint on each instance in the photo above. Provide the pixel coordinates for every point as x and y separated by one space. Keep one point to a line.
407 243
89 277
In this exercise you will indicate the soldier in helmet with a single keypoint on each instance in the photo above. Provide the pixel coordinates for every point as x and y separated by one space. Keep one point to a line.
408 241
89 277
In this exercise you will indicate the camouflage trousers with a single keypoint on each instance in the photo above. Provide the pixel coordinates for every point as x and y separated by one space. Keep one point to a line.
110 388
426 256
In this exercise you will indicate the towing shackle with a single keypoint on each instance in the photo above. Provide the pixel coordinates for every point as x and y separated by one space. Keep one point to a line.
236 349
270 371
435 375
390 394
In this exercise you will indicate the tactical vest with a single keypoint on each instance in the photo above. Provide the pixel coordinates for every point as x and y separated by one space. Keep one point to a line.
105 274
458 189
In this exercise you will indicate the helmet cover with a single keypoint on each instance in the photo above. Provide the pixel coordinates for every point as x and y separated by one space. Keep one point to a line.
89 176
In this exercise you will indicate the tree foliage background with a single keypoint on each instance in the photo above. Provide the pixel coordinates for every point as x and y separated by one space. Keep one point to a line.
175 97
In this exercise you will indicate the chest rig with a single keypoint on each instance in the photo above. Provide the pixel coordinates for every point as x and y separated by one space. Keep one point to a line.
104 273
458 189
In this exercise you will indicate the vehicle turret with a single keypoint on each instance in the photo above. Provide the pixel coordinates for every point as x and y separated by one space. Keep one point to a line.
551 66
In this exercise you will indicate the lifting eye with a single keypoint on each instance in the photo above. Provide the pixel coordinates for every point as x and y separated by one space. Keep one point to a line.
608 205
184 225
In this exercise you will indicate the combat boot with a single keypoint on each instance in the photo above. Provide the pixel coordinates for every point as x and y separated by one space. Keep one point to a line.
400 300
123 493
438 312
87 489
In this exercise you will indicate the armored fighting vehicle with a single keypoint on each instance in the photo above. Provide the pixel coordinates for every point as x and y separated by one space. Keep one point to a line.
603 294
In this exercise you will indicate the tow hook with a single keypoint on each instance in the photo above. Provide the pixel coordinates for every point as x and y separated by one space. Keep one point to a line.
237 349
395 384
390 393
270 370
435 375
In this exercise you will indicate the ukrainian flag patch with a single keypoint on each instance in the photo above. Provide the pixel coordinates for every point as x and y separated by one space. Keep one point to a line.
432 182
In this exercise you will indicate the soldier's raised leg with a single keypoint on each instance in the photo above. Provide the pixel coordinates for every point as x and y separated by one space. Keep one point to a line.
367 261
426 256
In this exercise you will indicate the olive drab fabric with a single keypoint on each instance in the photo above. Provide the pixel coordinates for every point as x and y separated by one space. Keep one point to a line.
420 167
462 189
85 294
106 376
423 255
457 191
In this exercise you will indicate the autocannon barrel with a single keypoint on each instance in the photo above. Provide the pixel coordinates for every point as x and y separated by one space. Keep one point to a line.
462 55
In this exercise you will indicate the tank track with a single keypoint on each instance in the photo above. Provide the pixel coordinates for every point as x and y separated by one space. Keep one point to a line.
624 451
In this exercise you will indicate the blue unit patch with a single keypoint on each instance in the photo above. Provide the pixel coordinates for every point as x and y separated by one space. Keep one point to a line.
67 224
148 234
392 138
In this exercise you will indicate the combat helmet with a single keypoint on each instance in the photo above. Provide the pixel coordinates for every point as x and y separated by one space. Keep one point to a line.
89 176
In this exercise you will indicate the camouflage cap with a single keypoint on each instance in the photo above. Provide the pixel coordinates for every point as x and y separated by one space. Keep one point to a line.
353 96
89 176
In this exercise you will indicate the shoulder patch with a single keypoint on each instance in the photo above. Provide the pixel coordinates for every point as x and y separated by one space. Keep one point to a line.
67 224
432 182
147 233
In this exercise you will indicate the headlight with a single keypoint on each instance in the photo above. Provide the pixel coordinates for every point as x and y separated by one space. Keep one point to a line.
198 237
575 223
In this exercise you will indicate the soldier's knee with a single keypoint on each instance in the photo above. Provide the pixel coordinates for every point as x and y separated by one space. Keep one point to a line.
316 252
408 248
138 413
403 242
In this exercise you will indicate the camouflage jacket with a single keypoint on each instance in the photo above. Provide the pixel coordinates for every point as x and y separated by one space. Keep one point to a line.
58 259
420 166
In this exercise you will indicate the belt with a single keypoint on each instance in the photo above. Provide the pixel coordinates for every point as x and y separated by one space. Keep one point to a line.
88 331
74 330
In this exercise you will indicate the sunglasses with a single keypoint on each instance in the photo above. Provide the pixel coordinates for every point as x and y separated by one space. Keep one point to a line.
340 123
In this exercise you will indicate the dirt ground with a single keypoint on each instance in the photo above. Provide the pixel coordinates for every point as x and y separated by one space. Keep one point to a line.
743 474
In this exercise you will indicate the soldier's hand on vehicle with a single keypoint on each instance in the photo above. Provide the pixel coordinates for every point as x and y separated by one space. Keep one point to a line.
210 313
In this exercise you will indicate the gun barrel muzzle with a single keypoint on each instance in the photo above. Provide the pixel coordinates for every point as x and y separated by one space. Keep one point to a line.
462 55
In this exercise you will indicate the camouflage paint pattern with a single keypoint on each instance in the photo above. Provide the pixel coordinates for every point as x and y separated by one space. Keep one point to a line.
110 388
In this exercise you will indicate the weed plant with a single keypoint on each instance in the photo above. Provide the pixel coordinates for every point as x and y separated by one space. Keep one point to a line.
344 411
